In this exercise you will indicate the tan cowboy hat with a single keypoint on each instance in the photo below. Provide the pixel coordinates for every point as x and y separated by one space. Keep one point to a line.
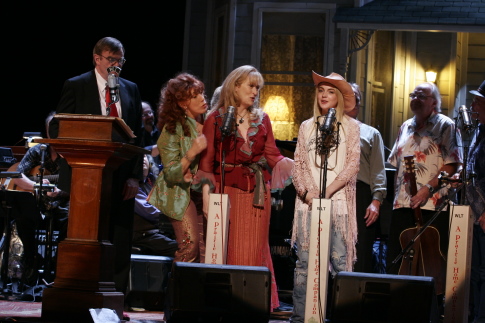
341 84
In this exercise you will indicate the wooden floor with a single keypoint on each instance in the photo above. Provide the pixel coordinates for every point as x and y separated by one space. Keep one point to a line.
31 311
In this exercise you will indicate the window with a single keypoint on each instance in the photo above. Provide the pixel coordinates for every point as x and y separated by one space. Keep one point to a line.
292 45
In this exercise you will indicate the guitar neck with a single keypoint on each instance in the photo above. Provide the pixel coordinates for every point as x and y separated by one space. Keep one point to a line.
411 177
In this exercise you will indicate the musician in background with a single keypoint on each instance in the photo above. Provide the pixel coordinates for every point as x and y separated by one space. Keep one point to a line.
476 197
432 139
31 162
331 92
150 131
56 201
371 189
146 225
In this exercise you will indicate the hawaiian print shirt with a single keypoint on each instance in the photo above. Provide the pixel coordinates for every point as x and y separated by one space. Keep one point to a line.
433 146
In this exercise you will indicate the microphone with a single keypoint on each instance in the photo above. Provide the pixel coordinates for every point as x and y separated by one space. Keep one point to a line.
228 123
465 116
43 147
113 74
327 126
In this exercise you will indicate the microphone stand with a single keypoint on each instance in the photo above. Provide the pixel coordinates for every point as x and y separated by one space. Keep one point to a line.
223 166
470 131
41 181
322 148
463 198
223 158
46 211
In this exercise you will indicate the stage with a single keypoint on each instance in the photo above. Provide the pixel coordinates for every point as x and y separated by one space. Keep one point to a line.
22 311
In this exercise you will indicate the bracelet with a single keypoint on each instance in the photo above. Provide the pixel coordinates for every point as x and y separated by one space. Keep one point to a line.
189 159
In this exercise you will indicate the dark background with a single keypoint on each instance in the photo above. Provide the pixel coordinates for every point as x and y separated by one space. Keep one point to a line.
43 45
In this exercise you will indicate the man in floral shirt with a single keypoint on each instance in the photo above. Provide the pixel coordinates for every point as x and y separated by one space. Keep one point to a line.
431 138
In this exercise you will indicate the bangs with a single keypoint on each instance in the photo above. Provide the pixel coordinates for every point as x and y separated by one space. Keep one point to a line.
256 79
197 88
327 84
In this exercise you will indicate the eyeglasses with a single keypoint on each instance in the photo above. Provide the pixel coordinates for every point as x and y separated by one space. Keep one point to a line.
420 96
147 114
112 60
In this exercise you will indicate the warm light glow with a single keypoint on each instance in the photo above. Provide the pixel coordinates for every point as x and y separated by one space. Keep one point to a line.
278 111
277 108
430 76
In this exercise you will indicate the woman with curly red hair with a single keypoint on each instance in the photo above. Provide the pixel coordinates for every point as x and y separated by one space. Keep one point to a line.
182 105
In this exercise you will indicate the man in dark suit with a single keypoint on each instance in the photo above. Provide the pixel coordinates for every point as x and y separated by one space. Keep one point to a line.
86 94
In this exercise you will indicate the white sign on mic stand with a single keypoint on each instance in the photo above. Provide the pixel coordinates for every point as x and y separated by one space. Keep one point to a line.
318 261
458 264
217 229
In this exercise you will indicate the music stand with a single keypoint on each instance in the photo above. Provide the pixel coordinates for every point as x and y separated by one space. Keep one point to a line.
23 202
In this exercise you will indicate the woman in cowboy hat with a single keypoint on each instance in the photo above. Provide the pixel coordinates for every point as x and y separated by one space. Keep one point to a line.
342 164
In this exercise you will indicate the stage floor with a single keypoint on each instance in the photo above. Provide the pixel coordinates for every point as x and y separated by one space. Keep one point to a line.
22 311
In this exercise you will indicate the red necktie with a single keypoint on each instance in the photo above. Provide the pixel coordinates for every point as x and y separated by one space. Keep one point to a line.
113 111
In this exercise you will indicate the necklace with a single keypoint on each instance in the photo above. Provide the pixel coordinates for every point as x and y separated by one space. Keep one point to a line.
241 120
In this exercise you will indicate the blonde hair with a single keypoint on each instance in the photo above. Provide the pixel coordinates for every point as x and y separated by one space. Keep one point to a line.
339 108
228 96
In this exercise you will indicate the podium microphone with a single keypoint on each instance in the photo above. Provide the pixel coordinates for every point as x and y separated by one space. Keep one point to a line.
113 75
228 123
465 116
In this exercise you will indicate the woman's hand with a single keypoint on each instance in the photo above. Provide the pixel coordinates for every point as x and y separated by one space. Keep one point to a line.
199 144
188 176
310 196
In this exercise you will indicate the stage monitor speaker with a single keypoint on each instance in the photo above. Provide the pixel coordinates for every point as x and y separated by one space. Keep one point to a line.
382 298
148 281
218 293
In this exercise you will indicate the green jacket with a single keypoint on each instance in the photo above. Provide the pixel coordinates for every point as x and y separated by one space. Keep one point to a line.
171 194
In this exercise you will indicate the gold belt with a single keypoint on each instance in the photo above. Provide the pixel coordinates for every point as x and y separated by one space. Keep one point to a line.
233 165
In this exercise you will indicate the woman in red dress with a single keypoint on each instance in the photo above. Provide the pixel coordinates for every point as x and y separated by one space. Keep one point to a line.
247 151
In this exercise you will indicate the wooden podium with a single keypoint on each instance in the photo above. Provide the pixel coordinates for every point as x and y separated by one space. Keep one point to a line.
94 146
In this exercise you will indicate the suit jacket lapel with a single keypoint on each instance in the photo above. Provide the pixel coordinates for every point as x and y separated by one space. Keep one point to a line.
93 95
125 98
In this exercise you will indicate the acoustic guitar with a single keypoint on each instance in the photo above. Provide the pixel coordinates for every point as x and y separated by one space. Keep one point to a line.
424 257
9 183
